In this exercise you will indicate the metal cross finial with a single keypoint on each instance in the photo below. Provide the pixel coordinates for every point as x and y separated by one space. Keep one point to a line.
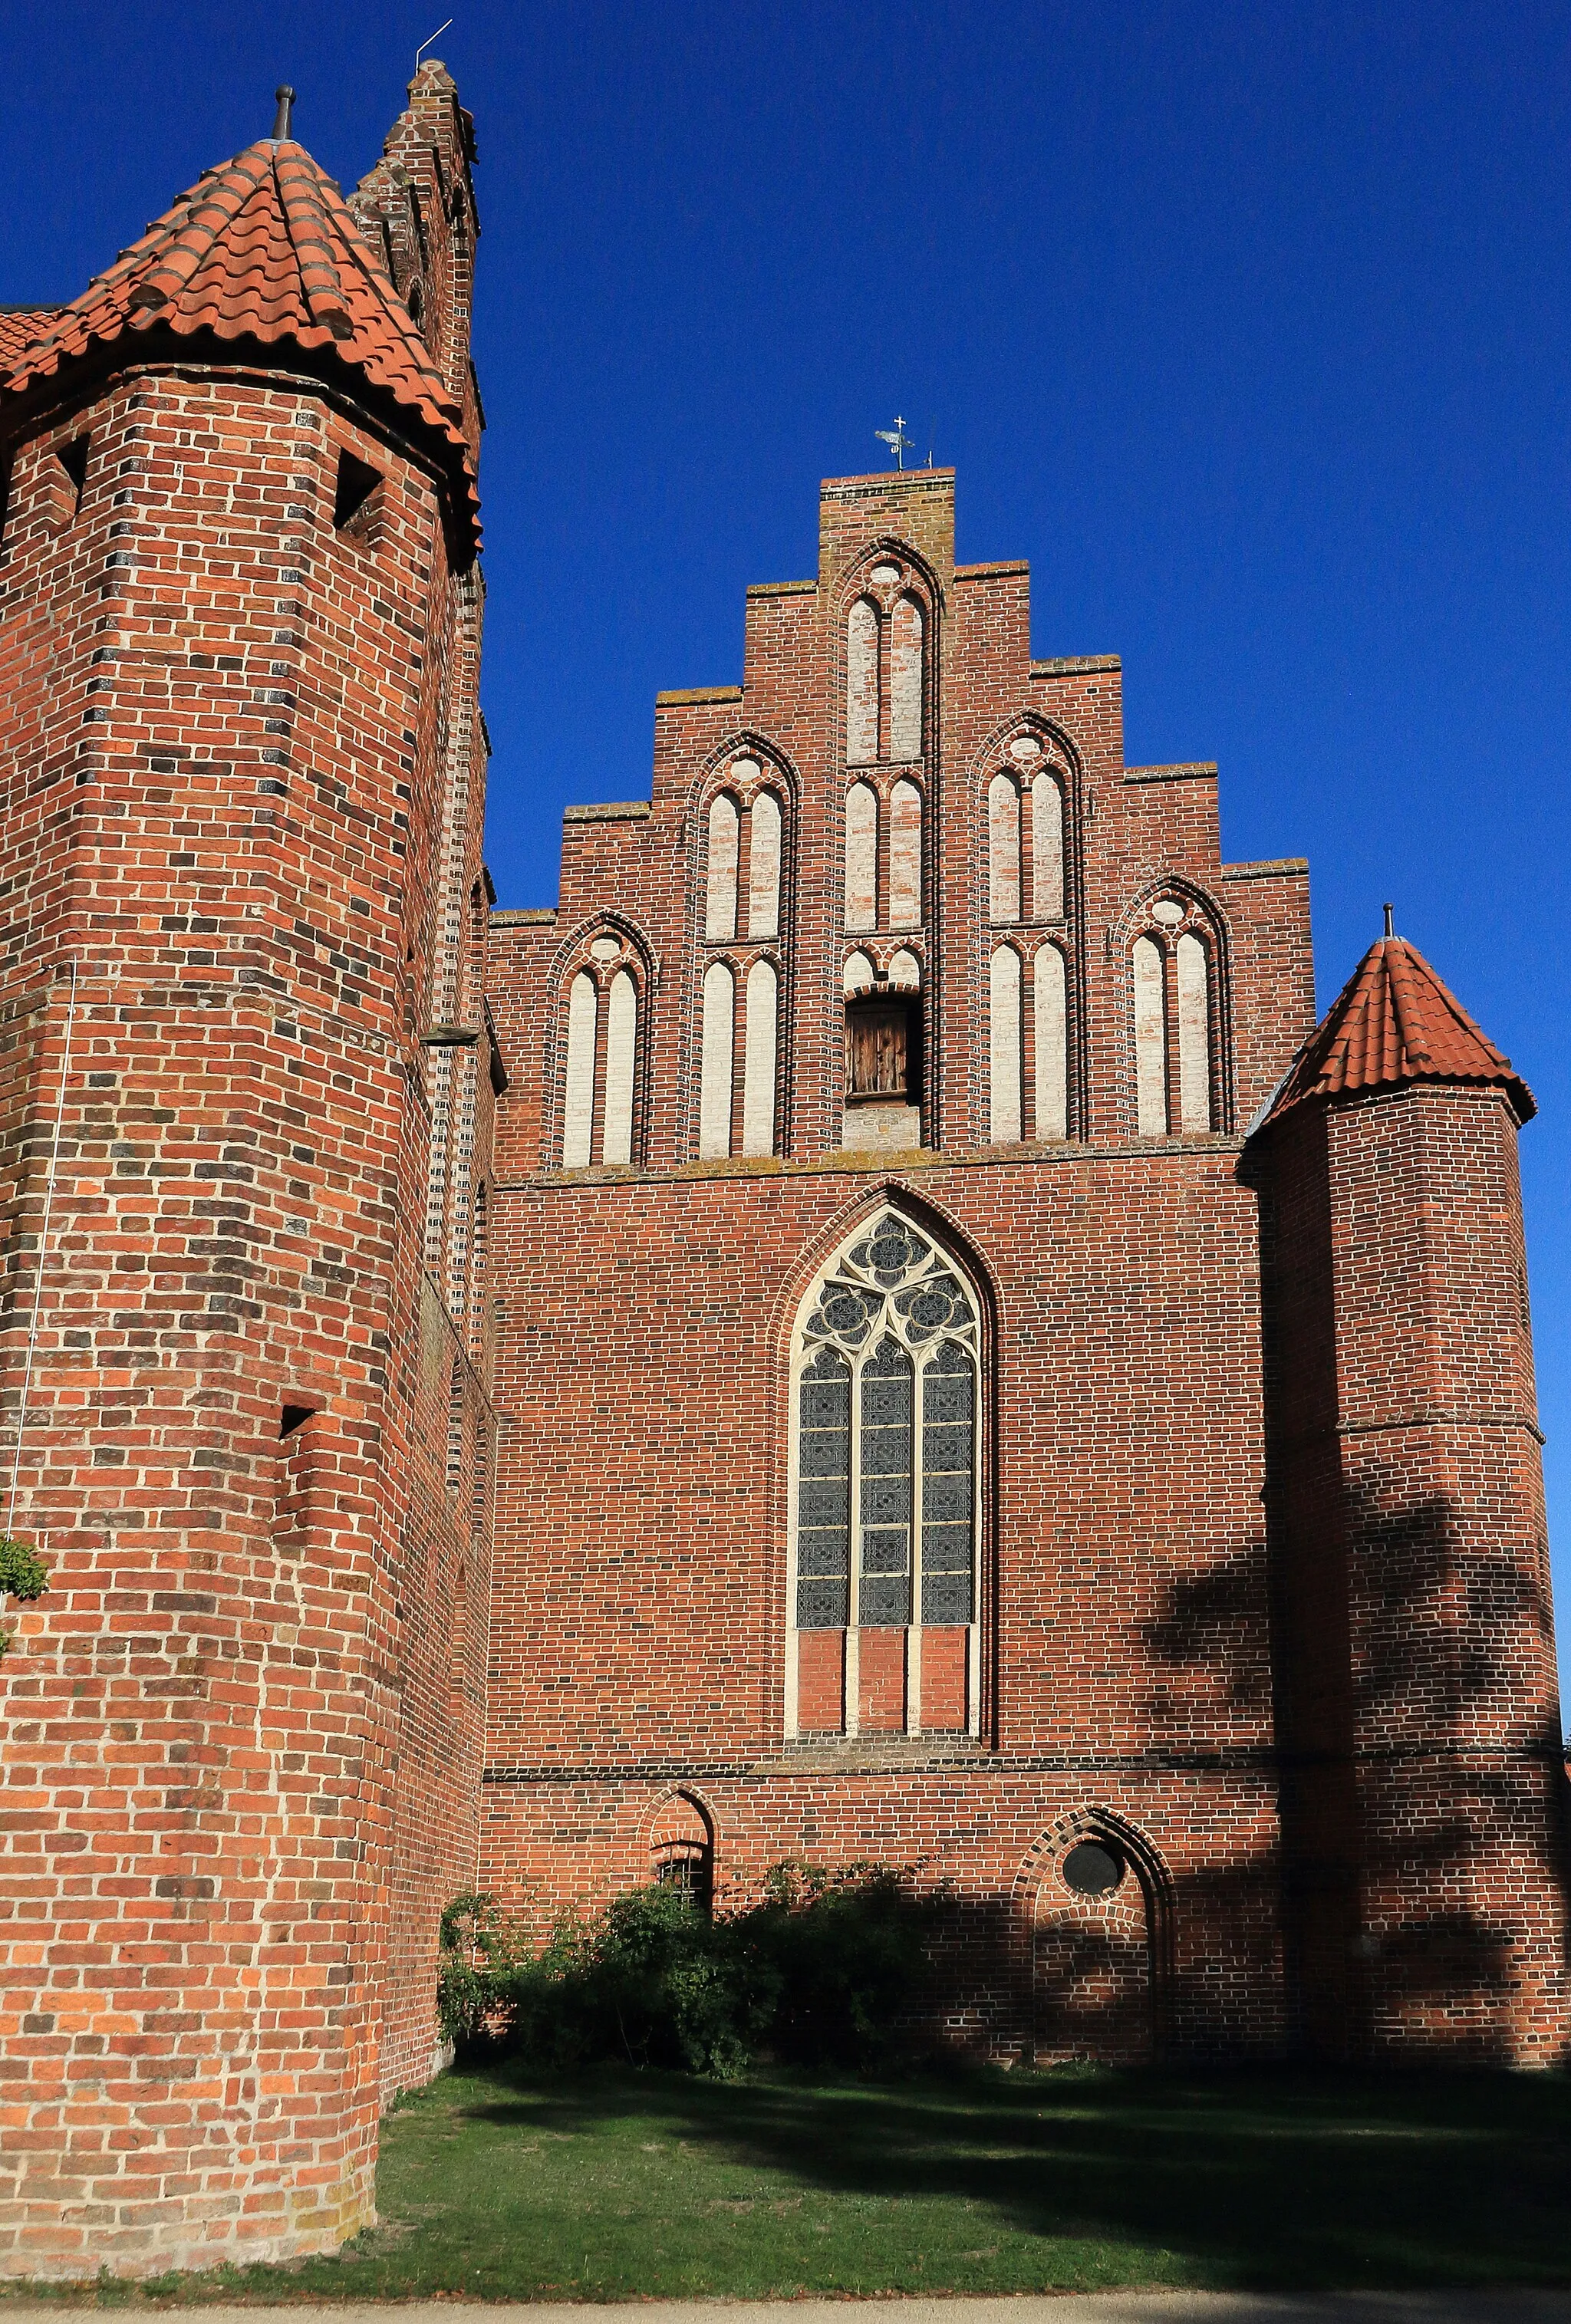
285 96
899 442
1389 926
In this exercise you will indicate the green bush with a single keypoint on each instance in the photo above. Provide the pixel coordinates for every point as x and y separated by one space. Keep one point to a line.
822 1971
848 1951
23 1573
473 1956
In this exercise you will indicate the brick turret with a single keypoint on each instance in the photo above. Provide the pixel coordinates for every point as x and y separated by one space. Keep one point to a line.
1422 1785
242 1376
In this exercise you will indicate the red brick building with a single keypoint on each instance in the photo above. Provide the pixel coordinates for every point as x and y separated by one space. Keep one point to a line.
876 1329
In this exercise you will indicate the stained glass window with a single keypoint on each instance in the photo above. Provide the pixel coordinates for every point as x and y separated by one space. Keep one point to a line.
887 1412
824 1494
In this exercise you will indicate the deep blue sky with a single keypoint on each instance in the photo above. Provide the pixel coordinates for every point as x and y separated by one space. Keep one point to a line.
1248 327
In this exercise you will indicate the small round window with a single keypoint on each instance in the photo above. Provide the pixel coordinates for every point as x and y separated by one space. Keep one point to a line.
1092 1869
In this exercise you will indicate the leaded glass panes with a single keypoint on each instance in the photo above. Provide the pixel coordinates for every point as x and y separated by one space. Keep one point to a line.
891 1350
824 1493
885 1583
949 1484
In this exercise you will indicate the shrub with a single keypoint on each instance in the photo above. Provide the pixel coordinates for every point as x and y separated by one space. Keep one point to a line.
848 1951
23 1575
822 1971
473 1957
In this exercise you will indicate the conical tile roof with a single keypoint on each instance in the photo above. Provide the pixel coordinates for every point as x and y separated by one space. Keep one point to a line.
1393 1023
263 249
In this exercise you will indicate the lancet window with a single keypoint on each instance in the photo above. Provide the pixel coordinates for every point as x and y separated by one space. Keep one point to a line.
1028 1043
885 665
1175 1016
884 857
1025 837
600 1097
886 1494
739 1010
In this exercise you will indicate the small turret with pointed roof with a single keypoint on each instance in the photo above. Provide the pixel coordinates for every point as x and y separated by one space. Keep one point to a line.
1417 1720
1395 1022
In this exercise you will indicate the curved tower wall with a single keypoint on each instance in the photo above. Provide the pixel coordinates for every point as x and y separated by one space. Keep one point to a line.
1422 1780
243 786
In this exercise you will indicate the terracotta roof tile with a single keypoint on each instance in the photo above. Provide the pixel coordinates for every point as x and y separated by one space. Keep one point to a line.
261 248
19 327
1393 1023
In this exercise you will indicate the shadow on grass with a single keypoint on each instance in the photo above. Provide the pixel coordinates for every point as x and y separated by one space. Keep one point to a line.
1256 2178
613 2184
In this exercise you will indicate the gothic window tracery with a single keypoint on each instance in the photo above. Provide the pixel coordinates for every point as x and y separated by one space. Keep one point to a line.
886 1400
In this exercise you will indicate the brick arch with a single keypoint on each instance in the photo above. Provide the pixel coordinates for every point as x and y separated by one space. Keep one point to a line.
922 584
852 580
931 1218
1136 921
571 955
1105 1946
681 1829
712 775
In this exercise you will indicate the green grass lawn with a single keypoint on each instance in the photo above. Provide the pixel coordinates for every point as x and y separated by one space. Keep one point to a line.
607 2184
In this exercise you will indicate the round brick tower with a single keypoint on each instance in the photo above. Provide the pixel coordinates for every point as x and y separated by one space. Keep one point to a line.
240 797
1423 1790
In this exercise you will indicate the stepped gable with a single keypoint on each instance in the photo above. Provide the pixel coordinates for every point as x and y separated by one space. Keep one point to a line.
19 327
1396 1022
263 249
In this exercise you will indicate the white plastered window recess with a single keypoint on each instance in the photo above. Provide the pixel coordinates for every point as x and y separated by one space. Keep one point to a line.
600 1067
741 886
1175 1021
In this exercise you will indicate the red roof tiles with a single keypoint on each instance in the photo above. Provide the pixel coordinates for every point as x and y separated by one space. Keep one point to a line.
1393 1023
263 248
19 327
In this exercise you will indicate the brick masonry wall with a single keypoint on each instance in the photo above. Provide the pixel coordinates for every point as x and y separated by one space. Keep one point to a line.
242 1732
1425 1788
639 1612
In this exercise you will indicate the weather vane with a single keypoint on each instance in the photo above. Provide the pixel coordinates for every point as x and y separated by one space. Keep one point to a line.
899 442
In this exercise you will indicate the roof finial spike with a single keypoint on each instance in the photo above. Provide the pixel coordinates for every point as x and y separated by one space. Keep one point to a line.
1389 928
285 96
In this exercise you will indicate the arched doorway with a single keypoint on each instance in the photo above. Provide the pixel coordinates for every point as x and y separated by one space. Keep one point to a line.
1099 1926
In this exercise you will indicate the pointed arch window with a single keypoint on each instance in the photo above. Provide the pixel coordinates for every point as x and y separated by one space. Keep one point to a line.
861 858
861 684
905 679
1051 1028
1174 997
763 867
578 1111
715 1069
1047 849
1005 1120
600 1076
720 900
905 856
758 1069
1003 851
885 1500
